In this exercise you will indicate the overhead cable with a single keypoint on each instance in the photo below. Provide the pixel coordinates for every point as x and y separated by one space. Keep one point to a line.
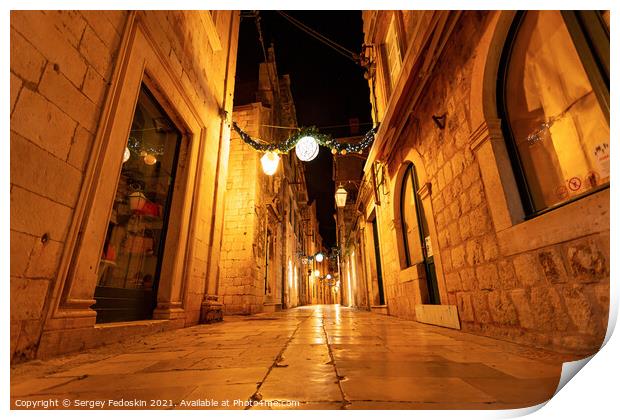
322 38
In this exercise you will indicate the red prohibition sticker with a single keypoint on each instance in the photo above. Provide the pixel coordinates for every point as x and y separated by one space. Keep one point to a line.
574 183
593 178
561 192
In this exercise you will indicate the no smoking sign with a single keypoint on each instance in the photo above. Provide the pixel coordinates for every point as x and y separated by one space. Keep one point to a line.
574 183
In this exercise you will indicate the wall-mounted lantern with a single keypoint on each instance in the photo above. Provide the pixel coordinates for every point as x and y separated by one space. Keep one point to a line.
341 197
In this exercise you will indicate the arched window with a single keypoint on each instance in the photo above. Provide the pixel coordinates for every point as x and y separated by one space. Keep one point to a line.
553 100
412 218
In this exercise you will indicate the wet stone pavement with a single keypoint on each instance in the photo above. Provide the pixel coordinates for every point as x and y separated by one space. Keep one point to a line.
313 357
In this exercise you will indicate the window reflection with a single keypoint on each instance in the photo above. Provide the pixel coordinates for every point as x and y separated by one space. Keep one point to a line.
560 131
134 245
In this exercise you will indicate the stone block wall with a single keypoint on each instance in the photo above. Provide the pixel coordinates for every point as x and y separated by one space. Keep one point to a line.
556 296
61 65
61 68
240 283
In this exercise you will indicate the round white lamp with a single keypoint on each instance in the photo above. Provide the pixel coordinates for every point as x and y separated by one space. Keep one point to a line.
307 148
126 154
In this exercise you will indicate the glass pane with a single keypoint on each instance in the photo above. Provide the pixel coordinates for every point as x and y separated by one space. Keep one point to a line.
134 245
560 131
410 221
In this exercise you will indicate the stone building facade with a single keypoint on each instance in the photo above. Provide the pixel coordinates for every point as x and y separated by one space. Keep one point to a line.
347 174
96 217
264 236
485 199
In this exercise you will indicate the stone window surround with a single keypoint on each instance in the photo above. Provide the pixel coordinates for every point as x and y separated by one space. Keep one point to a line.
138 61
417 272
515 234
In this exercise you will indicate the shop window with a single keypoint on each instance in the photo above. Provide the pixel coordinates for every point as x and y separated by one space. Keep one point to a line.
412 218
556 128
133 250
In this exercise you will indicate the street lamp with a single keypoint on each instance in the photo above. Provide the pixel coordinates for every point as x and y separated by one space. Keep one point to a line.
341 196
317 273
270 161
319 257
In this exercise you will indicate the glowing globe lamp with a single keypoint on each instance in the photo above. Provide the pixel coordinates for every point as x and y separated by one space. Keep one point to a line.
126 155
319 257
307 148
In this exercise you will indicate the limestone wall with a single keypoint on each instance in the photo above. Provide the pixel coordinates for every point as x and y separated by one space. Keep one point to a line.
549 289
61 63
242 274
62 66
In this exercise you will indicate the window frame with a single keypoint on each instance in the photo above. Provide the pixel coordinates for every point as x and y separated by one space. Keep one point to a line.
583 30
180 148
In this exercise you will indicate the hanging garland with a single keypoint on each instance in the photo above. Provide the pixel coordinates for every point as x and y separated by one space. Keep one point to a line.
323 139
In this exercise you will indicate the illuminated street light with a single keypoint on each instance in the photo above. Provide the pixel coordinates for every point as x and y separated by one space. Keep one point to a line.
270 161
319 257
317 273
328 277
341 197
150 159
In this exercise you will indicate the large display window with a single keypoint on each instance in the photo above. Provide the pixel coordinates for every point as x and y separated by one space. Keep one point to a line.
557 129
130 267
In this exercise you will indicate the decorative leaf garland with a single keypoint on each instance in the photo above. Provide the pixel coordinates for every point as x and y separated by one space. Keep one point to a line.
323 139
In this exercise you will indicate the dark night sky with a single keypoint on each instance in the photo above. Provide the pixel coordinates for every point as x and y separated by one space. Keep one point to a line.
328 89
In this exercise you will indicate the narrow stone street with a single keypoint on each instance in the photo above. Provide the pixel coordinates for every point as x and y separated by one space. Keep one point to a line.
313 357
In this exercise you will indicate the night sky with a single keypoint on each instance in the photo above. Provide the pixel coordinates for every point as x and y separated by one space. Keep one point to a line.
328 89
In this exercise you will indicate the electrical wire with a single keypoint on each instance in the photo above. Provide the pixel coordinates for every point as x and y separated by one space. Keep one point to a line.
323 126
322 38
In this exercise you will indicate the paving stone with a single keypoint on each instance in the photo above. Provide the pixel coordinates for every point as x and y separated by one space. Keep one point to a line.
413 389
308 357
